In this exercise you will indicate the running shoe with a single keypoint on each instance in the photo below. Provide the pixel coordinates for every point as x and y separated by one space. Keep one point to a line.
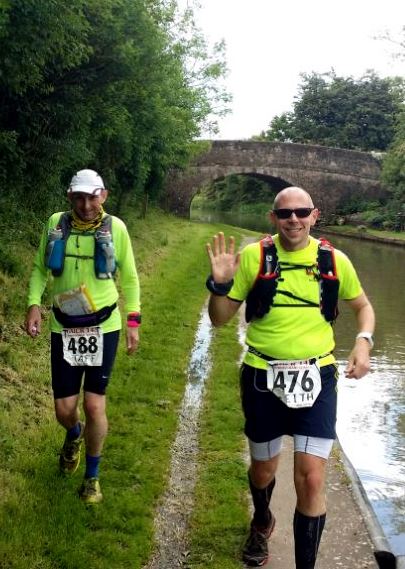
90 491
256 551
69 458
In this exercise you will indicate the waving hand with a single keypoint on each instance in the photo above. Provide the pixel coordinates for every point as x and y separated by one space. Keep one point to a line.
224 262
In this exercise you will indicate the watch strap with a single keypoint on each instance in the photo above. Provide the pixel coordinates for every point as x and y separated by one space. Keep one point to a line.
367 336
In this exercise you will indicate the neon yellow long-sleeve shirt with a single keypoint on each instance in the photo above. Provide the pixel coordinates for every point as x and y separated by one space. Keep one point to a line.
79 269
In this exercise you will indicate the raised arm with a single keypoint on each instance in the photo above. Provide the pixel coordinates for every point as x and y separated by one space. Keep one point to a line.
224 264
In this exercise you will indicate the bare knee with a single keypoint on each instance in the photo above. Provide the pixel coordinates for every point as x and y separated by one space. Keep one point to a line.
66 411
262 472
94 406
311 483
309 478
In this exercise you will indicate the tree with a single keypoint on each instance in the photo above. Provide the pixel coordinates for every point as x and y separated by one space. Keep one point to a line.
205 68
39 42
341 112
102 84
393 177
393 172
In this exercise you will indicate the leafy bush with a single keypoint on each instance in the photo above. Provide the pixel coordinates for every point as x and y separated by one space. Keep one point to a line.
374 218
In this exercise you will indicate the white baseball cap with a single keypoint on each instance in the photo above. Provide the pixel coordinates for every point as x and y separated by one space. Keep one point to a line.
87 182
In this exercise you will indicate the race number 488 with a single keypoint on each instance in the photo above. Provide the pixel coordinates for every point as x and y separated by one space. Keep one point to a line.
83 346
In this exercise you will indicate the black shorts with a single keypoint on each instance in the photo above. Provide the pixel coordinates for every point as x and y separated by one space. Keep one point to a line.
67 379
267 417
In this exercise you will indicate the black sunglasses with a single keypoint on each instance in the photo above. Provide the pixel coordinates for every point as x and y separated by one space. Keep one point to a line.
285 213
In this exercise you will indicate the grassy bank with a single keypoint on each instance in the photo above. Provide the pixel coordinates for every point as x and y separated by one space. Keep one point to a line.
221 514
44 525
352 231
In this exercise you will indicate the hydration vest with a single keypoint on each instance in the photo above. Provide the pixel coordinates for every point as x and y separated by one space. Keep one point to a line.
261 297
105 264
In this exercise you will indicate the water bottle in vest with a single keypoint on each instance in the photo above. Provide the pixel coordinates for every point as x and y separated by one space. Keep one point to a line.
55 250
104 254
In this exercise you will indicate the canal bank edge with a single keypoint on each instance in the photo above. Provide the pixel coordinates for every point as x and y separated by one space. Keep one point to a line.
382 550
385 558
320 230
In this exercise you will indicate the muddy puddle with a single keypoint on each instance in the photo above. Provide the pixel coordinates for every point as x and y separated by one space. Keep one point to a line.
174 512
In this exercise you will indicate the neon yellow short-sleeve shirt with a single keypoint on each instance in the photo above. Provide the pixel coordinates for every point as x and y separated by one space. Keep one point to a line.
292 332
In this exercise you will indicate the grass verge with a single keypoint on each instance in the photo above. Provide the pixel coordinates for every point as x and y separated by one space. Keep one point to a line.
221 516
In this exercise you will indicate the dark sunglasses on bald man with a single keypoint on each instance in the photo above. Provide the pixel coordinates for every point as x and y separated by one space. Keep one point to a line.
285 213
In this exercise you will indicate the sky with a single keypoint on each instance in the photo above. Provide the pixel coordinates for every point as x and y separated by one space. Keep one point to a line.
270 42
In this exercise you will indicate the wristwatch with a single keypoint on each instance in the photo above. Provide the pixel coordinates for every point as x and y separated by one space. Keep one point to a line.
367 336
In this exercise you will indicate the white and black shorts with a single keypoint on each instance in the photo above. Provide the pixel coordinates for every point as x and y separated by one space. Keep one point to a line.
268 418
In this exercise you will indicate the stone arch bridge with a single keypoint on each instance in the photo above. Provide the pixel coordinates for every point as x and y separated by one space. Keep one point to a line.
331 175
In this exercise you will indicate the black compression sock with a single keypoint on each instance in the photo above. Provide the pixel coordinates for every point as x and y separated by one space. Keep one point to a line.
307 534
261 500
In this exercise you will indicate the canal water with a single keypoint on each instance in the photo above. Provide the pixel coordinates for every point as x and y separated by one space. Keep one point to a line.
371 411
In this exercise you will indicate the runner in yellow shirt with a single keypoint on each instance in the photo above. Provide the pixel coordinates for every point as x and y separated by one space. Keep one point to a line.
83 249
289 375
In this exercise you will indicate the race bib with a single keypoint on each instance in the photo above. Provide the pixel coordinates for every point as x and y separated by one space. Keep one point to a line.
83 346
297 383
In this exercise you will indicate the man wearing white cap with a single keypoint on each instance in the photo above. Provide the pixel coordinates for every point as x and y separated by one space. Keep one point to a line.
83 248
